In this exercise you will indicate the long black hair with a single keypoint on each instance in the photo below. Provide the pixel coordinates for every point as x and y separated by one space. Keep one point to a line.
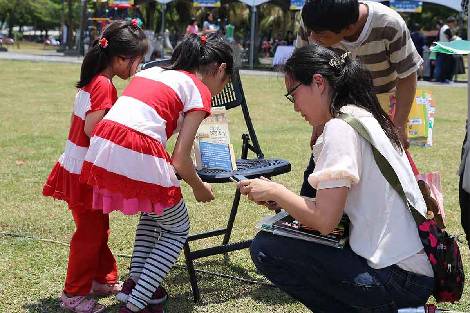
198 53
123 38
349 82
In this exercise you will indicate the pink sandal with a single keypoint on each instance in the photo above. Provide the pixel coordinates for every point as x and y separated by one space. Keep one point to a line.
98 289
80 304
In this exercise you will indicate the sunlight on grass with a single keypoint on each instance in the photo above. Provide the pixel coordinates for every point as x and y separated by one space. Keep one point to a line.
35 106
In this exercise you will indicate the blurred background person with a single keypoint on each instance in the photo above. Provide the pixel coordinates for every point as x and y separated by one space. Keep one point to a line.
192 27
419 41
445 63
209 26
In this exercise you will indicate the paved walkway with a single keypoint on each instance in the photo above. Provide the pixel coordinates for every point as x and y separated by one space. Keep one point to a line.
50 57
59 58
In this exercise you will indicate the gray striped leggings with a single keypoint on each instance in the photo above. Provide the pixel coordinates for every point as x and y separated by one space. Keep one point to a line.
158 242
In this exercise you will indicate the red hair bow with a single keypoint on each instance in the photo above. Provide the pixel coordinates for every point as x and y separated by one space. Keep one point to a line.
103 43
135 22
203 40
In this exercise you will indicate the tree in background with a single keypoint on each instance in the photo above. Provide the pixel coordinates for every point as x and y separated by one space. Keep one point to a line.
45 14
41 14
15 13
430 15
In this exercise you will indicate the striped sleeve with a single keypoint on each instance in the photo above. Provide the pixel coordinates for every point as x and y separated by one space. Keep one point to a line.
197 98
403 55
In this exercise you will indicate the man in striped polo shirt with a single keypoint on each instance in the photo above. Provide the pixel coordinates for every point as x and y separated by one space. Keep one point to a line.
378 37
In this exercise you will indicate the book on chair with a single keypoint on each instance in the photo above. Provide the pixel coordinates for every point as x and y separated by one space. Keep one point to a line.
283 224
212 148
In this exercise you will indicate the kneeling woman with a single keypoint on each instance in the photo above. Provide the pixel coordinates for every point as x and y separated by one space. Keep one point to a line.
384 267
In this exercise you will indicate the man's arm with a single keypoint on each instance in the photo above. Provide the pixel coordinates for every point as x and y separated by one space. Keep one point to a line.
405 93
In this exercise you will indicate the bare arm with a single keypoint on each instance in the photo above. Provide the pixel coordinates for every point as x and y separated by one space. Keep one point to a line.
92 119
181 157
405 93
322 214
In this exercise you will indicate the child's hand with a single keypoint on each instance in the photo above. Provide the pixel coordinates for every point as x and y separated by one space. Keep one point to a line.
203 193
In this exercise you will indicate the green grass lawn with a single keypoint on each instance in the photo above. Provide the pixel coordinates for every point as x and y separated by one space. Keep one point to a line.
35 105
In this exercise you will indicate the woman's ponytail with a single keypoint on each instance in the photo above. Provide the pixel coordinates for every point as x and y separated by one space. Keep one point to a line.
356 83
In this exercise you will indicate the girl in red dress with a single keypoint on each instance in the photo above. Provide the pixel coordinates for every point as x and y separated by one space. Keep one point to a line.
92 268
131 171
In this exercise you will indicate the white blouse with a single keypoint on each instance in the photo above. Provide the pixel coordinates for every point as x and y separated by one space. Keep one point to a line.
382 229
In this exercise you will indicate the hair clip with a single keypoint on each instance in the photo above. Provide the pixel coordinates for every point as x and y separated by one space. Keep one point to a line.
338 62
103 43
135 22
203 40
345 55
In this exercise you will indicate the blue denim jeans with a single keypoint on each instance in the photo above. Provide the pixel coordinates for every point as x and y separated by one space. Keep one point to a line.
331 280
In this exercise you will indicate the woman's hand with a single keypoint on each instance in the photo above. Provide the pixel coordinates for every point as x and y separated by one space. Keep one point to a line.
203 193
258 190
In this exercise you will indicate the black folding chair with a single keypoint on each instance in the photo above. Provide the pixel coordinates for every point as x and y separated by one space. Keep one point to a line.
231 97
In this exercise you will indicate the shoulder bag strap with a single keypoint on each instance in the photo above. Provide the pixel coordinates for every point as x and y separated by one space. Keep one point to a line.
387 170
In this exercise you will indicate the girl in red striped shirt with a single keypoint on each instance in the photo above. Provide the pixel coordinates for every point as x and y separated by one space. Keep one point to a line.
131 171
92 268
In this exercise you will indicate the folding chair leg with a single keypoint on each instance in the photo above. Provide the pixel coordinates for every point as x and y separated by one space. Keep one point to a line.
191 272
231 220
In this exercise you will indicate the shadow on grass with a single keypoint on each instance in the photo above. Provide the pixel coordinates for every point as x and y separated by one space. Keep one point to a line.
52 305
215 289
45 305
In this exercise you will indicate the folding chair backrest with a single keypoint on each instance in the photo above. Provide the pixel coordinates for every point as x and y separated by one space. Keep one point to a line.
230 97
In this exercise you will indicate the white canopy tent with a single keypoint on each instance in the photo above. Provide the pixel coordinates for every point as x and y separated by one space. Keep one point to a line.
453 4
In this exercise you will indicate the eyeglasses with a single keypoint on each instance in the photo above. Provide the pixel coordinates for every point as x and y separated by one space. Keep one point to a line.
289 95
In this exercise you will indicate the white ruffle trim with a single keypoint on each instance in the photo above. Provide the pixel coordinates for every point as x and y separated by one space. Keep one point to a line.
71 164
328 176
328 184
